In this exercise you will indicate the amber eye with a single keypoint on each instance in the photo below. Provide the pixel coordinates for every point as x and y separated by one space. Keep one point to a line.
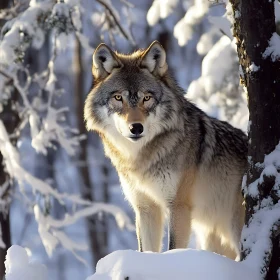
118 97
147 98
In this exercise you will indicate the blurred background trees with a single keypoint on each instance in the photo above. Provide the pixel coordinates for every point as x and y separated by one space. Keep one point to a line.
53 172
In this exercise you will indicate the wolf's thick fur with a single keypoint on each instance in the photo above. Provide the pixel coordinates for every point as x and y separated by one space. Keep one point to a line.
186 164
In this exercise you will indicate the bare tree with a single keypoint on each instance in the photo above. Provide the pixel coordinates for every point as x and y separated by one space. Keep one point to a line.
87 188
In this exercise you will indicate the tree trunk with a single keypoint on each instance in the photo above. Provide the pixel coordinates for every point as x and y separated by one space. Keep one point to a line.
87 190
253 28
105 198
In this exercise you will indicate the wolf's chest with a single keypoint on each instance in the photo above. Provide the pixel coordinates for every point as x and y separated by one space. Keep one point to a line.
159 186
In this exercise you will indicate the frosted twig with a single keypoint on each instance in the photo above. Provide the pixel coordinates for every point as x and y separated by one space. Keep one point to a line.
51 235
18 87
52 78
129 21
93 208
112 13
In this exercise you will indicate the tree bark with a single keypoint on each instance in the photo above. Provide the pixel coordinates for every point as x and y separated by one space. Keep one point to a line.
105 198
253 28
87 189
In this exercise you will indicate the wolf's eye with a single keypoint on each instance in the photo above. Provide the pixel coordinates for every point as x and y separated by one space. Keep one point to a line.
118 97
147 98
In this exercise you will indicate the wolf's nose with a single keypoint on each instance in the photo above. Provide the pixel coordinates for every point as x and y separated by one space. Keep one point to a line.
136 128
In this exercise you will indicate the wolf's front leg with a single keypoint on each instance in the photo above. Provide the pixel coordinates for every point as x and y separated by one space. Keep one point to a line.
179 226
149 226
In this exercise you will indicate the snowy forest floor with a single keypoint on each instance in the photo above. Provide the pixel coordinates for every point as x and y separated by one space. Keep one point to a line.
133 265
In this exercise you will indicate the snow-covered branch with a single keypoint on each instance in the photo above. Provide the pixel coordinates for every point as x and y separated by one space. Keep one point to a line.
256 237
48 226
116 19
51 235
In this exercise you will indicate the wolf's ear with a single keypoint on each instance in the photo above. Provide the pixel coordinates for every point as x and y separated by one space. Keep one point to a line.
104 61
154 59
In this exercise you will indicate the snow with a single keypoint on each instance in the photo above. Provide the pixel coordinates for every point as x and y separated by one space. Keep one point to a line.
253 189
253 68
19 267
270 165
230 14
184 29
222 23
61 9
221 52
27 29
24 30
62 41
206 42
177 264
256 236
273 157
217 91
269 171
273 49
160 9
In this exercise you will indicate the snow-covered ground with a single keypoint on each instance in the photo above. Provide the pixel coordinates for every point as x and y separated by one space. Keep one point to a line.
175 264
128 264
19 267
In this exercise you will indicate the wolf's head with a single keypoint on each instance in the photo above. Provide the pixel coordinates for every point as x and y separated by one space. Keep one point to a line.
131 97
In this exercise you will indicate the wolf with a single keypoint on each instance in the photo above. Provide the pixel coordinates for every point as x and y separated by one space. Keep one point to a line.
175 163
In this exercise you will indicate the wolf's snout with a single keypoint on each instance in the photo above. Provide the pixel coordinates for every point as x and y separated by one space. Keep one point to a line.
136 128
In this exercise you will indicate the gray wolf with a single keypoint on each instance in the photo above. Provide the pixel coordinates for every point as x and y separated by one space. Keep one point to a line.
174 162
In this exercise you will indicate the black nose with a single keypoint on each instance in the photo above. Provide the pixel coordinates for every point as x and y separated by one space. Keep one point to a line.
136 128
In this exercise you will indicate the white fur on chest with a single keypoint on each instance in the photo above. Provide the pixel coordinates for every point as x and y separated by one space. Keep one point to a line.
160 189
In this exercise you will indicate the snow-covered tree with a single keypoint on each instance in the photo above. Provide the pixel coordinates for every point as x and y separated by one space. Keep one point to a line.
258 47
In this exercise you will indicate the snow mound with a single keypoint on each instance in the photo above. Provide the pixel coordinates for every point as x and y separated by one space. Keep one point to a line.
18 266
177 264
